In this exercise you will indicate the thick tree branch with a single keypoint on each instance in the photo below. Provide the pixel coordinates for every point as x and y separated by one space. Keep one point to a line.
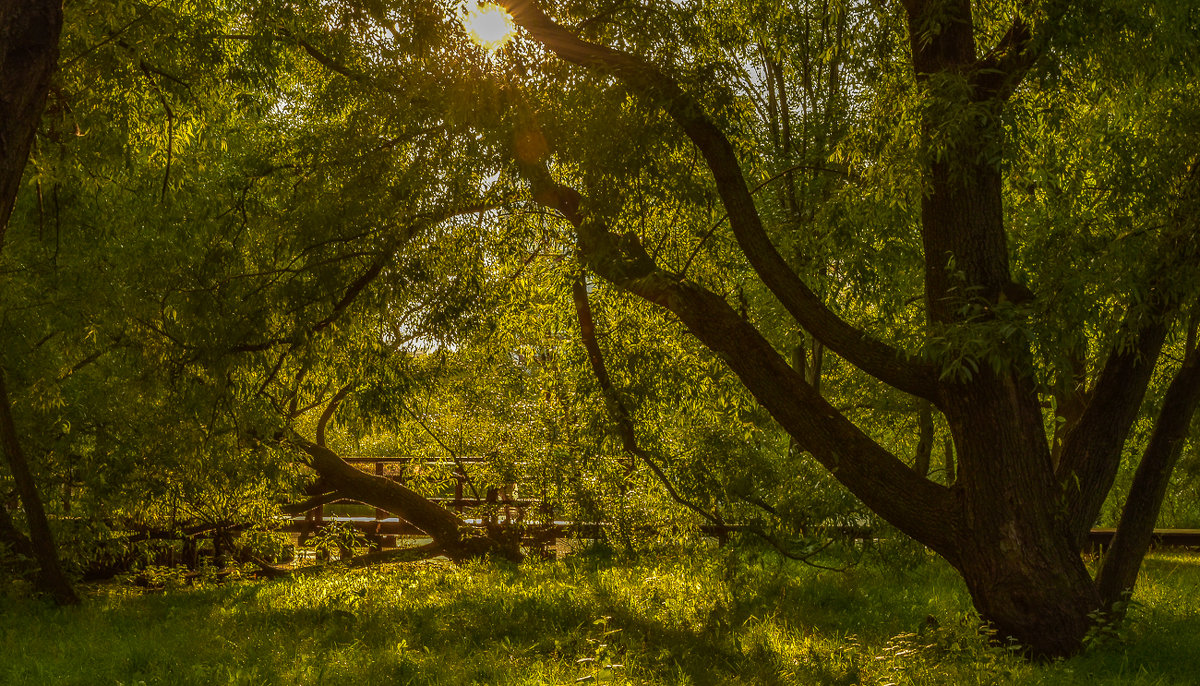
1092 451
441 524
871 355
1120 568
345 480
996 75
915 505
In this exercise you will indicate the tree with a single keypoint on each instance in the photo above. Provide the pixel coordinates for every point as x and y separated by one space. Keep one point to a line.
956 209
1015 519
29 33
295 209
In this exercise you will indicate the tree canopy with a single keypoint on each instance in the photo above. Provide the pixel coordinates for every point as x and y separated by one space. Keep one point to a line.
705 261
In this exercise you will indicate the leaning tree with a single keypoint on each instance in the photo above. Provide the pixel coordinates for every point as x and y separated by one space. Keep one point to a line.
994 108
29 35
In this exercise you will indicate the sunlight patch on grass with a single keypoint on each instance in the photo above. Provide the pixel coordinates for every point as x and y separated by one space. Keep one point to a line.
694 618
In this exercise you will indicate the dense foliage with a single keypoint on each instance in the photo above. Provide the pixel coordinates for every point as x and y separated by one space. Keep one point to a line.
659 264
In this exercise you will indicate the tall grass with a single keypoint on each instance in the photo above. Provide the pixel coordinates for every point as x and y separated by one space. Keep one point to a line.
699 618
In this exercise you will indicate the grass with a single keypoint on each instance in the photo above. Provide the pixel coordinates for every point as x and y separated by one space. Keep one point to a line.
704 618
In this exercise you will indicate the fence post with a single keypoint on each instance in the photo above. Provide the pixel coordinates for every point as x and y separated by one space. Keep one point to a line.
379 513
459 477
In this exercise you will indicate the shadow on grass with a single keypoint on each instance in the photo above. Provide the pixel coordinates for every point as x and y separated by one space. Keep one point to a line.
664 620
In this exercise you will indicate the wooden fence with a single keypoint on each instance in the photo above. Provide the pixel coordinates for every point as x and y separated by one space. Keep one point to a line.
383 528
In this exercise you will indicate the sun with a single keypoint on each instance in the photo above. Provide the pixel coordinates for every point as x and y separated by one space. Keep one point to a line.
489 25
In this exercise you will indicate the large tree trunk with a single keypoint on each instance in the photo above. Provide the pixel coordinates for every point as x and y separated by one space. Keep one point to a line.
1025 576
29 33
1036 593
1013 549
1007 522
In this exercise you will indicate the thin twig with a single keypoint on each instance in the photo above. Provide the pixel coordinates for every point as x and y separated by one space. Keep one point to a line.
753 191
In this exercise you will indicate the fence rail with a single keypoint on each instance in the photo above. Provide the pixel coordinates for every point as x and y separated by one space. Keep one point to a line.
508 508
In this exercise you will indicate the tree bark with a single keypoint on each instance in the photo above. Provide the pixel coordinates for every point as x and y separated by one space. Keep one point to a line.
29 34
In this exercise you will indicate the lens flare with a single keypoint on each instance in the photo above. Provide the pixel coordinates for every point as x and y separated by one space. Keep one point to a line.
489 25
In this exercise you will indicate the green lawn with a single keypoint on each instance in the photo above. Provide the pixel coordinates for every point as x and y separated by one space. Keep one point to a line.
669 619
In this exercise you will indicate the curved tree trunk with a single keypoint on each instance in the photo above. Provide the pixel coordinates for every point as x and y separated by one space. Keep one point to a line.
1011 522
455 537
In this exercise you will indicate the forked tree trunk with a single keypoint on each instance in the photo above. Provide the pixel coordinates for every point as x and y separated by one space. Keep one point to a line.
1009 522
1025 575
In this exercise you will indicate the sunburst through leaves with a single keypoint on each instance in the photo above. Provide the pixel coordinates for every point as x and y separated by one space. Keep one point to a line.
489 25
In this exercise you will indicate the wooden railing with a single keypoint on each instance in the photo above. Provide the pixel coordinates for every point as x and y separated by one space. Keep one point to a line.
385 526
